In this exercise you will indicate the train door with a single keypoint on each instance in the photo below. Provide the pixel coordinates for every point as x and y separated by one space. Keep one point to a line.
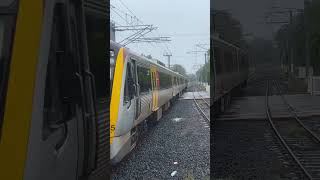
177 85
97 124
136 87
172 84
54 150
130 95
154 85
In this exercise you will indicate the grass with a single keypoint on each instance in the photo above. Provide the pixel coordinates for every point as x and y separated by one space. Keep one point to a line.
295 131
189 176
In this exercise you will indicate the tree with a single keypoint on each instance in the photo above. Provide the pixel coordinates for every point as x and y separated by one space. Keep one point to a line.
228 27
178 68
146 56
203 74
314 16
192 77
295 33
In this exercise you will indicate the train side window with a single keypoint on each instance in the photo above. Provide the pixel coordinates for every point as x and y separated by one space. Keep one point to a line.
129 90
172 80
152 80
60 82
169 80
7 26
242 62
144 79
165 80
112 67
234 61
228 61
126 97
161 79
217 60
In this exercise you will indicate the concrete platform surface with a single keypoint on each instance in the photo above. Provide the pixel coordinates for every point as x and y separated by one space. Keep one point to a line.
253 107
197 95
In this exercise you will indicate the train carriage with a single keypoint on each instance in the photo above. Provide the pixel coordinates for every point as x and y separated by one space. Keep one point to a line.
141 90
231 69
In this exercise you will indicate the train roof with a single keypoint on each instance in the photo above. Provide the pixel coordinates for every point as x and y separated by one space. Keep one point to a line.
151 61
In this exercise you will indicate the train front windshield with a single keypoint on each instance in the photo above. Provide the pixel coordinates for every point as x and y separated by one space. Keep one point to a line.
112 65
6 37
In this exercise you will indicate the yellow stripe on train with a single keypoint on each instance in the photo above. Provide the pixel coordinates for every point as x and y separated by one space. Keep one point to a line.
115 97
18 112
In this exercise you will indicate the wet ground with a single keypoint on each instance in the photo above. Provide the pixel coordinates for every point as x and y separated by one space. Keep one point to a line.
197 95
178 147
249 149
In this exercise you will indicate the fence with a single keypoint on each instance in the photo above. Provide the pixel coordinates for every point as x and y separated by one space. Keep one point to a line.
314 85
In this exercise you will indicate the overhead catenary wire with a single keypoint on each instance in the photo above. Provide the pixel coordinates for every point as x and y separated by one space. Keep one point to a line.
165 44
137 21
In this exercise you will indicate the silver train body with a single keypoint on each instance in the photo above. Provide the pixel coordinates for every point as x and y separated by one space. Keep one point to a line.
141 90
230 72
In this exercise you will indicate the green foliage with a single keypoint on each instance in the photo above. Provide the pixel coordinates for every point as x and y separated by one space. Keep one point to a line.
178 68
296 33
228 27
296 131
189 176
203 74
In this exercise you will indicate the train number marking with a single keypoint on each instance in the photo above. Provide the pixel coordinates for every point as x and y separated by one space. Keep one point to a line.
113 128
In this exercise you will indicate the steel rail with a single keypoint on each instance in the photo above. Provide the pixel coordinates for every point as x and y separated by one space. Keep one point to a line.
200 109
293 112
268 112
204 99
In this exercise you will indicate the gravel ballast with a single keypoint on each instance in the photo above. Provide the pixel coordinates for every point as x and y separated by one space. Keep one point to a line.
179 142
249 150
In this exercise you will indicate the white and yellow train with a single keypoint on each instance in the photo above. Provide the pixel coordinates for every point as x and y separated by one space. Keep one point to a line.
141 90
54 93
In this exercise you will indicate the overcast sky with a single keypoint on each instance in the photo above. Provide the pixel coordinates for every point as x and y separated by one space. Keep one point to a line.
187 22
251 13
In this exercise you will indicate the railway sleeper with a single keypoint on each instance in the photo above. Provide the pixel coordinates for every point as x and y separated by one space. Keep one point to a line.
308 155
312 165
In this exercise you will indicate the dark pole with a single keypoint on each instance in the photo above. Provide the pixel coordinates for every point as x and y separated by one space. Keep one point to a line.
168 56
307 37
291 44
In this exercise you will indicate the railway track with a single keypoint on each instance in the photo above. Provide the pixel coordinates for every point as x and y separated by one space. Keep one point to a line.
203 106
301 143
